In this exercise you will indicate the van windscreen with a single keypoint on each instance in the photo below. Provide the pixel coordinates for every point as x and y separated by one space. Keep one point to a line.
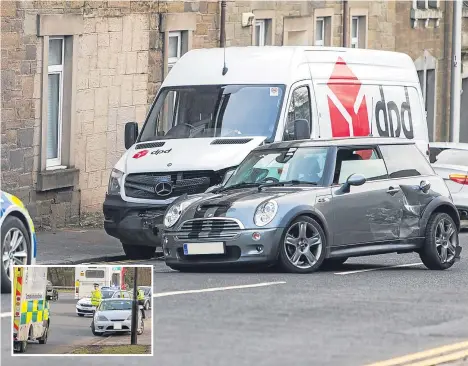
214 111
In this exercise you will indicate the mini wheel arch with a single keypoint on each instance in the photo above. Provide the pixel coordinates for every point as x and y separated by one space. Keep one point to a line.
313 215
439 206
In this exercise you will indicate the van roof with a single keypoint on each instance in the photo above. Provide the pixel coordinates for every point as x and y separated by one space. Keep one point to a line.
281 65
348 141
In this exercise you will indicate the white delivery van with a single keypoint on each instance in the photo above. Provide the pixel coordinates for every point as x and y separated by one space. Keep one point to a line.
31 320
206 119
87 276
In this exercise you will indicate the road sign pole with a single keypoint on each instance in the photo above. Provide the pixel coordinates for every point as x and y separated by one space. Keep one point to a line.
135 314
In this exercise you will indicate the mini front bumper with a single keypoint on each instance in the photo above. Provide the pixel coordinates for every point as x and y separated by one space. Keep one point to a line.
109 326
242 249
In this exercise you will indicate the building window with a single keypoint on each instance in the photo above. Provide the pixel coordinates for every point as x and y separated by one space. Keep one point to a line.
355 32
358 32
260 34
174 48
55 101
320 32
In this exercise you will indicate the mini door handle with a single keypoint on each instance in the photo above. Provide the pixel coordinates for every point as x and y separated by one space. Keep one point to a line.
393 190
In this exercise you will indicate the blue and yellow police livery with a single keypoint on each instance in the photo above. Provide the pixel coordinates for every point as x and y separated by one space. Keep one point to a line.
18 237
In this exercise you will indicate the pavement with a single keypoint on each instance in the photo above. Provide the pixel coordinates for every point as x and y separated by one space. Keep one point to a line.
69 331
373 309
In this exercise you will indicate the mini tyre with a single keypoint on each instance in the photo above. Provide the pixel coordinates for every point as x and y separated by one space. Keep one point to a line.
302 248
138 251
13 229
441 242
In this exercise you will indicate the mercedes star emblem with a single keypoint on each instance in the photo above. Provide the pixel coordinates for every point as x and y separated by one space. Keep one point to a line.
163 188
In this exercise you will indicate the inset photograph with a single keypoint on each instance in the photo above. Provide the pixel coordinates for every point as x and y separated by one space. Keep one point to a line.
82 310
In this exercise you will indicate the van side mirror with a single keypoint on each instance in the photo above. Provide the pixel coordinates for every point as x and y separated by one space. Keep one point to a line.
353 180
131 134
301 129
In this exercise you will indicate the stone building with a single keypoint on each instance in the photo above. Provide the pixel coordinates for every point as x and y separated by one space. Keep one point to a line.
73 72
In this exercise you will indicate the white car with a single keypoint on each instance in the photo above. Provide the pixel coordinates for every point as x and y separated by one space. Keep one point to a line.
450 161
84 306
115 316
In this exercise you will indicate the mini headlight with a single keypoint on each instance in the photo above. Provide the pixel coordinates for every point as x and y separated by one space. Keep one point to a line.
114 182
265 213
175 211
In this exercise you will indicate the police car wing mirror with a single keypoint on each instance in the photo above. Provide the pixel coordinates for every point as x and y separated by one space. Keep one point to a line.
301 129
131 134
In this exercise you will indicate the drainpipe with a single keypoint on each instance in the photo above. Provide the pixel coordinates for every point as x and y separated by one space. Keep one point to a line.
455 90
344 23
222 28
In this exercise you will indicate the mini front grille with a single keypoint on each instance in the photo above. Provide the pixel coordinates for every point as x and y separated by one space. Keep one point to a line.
209 228
230 141
149 145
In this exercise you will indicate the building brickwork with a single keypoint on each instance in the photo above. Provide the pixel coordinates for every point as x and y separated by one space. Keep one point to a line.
120 58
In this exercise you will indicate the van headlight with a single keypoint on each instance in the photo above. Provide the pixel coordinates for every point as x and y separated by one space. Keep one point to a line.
265 213
175 211
114 182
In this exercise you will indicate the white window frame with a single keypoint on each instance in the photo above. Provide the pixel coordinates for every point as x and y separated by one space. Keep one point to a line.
172 60
261 36
320 42
56 163
355 40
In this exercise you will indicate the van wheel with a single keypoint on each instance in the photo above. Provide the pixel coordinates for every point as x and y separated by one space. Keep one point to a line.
14 241
138 251
441 242
23 346
302 249
43 339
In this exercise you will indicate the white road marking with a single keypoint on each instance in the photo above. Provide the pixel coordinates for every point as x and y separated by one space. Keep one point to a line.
378 269
4 315
214 289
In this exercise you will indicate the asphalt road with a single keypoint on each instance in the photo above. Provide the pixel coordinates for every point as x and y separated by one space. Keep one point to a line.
67 330
366 312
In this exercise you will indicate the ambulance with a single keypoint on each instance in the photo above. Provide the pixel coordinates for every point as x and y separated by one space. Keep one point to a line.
216 105
31 319
87 276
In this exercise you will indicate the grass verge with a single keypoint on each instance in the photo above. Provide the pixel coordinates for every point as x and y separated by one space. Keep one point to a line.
113 350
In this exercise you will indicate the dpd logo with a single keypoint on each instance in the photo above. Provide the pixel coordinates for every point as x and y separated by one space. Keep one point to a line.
157 152
394 120
347 95
140 154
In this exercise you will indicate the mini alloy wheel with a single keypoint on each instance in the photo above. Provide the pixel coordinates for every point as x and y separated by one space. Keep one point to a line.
440 247
303 246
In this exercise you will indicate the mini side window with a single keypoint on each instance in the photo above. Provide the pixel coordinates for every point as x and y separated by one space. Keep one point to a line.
366 162
299 108
405 161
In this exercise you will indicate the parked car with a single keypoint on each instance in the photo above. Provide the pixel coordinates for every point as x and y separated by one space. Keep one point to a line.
324 201
84 307
18 237
147 290
52 292
450 161
115 316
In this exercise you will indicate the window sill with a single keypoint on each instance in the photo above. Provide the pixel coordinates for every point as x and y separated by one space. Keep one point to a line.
57 178
426 15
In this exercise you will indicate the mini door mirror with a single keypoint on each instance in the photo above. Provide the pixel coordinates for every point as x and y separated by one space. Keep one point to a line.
301 129
356 180
425 186
131 134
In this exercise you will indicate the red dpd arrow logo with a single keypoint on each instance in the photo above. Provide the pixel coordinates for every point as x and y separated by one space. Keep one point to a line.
140 154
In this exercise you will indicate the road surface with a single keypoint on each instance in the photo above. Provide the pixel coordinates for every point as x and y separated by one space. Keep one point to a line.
373 309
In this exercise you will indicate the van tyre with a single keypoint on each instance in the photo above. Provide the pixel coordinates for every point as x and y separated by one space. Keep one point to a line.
303 246
138 251
441 242
23 346
43 339
9 227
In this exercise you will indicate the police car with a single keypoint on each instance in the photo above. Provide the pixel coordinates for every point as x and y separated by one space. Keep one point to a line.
18 237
